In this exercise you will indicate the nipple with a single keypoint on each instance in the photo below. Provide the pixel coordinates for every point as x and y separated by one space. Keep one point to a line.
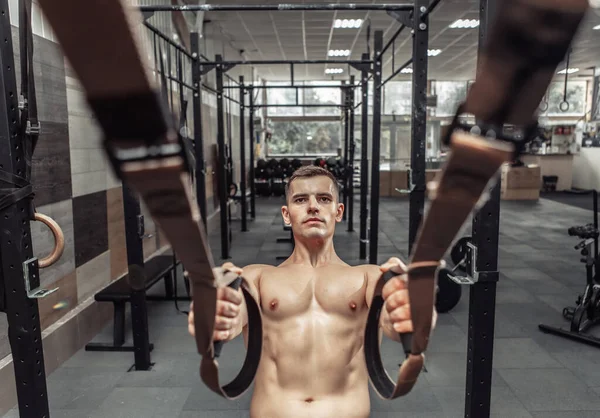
353 306
309 400
274 304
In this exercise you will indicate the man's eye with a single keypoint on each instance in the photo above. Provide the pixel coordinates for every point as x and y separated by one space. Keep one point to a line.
325 199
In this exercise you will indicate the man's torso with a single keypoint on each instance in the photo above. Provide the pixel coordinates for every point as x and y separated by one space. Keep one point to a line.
312 359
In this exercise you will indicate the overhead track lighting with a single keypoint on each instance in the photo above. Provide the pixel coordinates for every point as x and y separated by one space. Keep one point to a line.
347 23
339 52
464 24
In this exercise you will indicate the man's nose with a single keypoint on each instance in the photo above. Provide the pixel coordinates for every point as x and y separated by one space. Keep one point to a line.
313 204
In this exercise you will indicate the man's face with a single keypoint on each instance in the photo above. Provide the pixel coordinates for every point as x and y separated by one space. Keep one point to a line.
312 208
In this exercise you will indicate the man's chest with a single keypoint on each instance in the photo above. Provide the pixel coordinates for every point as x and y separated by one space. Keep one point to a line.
293 292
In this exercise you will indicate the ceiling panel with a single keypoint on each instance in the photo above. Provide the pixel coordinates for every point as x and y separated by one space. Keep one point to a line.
310 35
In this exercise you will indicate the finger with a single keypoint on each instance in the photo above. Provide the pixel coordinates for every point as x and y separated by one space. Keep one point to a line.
223 324
394 264
220 335
397 299
403 327
191 328
395 284
230 295
400 314
227 309
229 266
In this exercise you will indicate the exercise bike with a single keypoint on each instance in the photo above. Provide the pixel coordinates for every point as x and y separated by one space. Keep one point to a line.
586 313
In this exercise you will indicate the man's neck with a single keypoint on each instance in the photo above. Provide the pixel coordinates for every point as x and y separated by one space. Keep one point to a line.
315 253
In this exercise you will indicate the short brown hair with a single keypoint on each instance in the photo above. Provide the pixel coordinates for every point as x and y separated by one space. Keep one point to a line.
308 171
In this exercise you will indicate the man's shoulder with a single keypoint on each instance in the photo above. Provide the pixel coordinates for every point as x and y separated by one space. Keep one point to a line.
370 270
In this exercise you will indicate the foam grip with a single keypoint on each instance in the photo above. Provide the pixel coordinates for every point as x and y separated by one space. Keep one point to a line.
406 338
219 344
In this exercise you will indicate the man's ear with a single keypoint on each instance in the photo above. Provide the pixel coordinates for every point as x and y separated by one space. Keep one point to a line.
286 215
340 212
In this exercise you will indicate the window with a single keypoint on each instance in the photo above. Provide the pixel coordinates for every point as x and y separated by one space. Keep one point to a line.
450 94
305 138
284 96
397 98
576 97
320 96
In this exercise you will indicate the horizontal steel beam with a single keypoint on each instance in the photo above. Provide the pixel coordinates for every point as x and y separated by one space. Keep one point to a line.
274 7
284 62
295 105
319 86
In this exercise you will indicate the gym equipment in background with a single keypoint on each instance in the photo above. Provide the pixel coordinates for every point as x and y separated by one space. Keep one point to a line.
586 313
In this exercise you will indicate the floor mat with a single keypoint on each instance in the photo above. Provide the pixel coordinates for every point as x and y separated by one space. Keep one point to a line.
579 200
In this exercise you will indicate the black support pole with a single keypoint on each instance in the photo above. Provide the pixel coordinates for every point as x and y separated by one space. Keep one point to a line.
198 134
364 162
251 143
482 296
350 160
134 222
419 123
376 146
221 174
243 156
16 249
346 145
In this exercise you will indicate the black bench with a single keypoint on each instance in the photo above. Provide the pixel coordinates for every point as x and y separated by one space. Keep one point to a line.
119 293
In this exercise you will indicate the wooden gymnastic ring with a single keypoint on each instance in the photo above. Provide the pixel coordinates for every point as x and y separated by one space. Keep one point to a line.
59 240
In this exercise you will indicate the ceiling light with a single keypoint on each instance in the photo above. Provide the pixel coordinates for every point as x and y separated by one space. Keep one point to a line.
570 71
339 52
597 27
334 70
407 70
464 24
434 52
347 23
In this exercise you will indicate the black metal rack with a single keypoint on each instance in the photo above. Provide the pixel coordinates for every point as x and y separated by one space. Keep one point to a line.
20 272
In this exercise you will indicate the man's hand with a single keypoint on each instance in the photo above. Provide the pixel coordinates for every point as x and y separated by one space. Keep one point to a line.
227 318
395 295
397 315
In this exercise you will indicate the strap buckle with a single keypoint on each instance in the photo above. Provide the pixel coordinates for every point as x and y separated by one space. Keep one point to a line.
22 102
33 128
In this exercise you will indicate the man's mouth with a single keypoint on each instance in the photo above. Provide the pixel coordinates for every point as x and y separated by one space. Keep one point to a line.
313 220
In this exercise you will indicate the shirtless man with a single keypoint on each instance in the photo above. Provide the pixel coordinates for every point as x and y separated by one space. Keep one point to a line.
314 309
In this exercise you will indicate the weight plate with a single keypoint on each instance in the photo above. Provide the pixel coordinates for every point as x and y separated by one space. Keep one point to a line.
448 294
459 250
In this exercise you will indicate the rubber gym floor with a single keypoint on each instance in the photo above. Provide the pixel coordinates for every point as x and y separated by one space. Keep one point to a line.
535 375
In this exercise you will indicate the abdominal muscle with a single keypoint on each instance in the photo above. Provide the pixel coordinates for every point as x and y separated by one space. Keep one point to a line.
313 366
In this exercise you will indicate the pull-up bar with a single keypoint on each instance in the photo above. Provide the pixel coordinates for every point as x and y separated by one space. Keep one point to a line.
302 86
299 105
273 7
284 62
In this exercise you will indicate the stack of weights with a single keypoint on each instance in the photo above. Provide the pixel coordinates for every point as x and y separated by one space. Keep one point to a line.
336 168
296 164
278 176
262 178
